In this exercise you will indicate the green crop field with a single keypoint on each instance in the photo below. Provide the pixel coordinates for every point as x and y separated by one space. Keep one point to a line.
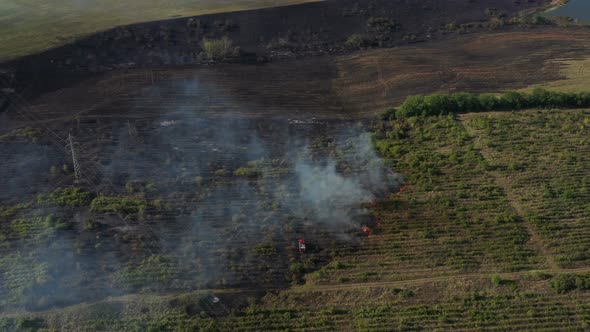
31 26
543 159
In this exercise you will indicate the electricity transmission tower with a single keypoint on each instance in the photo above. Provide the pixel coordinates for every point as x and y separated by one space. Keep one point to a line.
73 148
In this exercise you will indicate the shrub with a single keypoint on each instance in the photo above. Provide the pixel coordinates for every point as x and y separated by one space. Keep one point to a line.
29 323
488 102
9 211
66 197
134 186
339 265
265 250
155 271
507 219
220 172
495 12
199 180
533 20
27 134
563 283
382 24
297 271
124 205
414 105
451 26
219 49
358 41
497 279
567 282
514 100
247 172
406 293
52 222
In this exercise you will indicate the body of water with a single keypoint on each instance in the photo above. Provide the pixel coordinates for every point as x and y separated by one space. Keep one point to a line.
578 9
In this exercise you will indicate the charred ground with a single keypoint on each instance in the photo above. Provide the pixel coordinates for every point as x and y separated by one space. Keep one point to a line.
326 27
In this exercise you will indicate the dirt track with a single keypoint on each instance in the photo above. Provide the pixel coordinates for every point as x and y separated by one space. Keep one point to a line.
417 282
330 288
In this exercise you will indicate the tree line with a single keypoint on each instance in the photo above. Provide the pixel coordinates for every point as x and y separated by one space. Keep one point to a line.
464 102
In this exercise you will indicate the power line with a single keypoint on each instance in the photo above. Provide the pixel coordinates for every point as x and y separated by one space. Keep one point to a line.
58 139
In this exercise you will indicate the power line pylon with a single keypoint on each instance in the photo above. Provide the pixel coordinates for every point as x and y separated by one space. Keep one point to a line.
77 168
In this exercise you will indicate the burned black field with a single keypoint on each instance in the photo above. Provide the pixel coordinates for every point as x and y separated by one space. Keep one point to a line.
180 199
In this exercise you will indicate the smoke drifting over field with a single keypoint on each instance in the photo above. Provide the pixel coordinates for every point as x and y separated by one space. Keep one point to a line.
333 195
193 199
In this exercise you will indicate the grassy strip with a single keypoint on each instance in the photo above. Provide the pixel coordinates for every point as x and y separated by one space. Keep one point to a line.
443 104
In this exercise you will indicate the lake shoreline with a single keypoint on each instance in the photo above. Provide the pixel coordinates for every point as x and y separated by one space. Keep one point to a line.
577 10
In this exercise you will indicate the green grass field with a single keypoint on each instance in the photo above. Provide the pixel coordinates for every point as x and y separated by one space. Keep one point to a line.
31 26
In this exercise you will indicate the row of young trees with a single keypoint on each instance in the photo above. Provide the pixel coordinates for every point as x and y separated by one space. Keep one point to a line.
442 104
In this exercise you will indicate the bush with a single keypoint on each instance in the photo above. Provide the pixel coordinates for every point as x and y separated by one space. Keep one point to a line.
564 283
247 172
155 271
30 323
451 26
27 134
343 280
507 219
497 279
52 222
123 205
37 226
443 104
513 100
297 271
9 211
266 250
358 41
219 49
533 20
382 25
66 197
220 172
134 186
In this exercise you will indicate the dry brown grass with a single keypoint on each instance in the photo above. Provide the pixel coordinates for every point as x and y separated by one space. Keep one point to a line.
377 79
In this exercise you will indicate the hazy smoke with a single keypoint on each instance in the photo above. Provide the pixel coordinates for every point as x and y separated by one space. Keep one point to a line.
239 191
329 193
